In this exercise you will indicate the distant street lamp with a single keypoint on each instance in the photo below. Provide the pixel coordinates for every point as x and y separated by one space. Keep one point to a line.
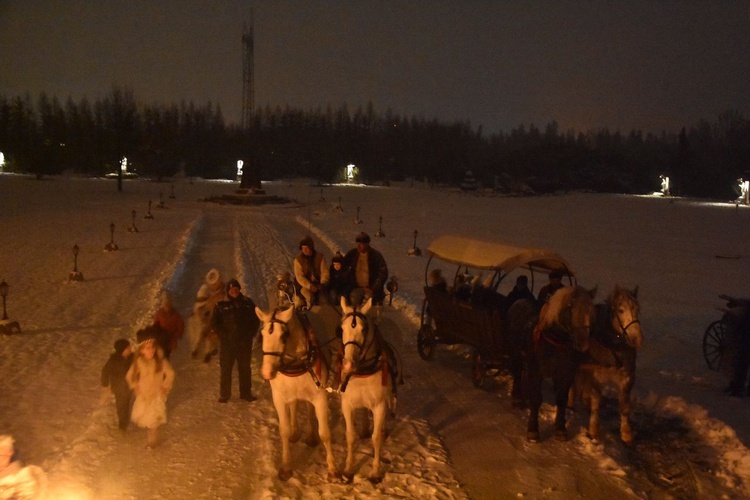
357 220
414 250
161 200
133 228
392 287
322 199
149 215
171 194
6 326
380 233
111 246
75 274
338 208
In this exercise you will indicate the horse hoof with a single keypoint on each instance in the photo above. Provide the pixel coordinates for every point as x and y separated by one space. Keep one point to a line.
334 477
285 474
561 435
532 436
348 477
375 479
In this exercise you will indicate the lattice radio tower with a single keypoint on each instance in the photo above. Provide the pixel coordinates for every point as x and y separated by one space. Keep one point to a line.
248 73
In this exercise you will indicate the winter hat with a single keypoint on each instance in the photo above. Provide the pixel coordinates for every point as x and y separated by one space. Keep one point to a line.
362 238
436 276
307 242
338 258
213 277
233 282
203 293
121 345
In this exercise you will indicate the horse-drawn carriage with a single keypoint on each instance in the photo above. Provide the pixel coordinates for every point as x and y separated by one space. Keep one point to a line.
471 310
721 338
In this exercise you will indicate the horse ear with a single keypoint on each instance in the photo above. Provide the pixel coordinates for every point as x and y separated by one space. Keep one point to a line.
261 315
344 306
286 314
368 305
592 292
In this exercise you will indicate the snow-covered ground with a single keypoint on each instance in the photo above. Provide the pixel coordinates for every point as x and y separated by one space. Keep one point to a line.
449 439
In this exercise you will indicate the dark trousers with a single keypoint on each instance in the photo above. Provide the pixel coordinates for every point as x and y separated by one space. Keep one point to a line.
228 356
122 403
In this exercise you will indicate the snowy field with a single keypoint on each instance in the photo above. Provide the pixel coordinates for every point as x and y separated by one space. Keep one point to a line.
449 439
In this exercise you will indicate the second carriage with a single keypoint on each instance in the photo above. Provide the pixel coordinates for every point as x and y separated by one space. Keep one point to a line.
471 309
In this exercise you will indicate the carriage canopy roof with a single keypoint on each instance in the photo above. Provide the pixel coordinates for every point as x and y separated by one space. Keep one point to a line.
480 254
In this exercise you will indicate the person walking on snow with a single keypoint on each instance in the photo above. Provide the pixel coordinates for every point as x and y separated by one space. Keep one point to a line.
113 381
151 377
310 272
236 323
170 320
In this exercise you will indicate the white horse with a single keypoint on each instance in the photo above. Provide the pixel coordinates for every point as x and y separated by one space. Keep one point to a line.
295 369
366 381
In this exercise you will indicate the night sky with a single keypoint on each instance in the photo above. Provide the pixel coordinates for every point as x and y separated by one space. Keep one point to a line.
631 64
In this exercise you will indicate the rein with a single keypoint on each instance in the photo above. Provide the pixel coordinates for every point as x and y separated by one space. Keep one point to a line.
374 362
298 364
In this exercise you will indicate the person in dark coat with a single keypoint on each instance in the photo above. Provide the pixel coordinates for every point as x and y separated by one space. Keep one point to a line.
740 314
339 284
113 379
555 283
369 272
520 291
236 323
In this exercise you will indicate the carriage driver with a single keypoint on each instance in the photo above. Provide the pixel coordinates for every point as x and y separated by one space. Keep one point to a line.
310 272
369 272
555 283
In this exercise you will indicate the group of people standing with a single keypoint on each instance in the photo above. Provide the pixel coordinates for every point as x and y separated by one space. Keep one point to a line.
224 316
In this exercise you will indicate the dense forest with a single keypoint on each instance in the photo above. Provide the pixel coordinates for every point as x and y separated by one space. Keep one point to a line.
46 137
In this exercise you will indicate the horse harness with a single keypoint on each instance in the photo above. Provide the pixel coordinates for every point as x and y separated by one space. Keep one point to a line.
291 365
368 363
618 344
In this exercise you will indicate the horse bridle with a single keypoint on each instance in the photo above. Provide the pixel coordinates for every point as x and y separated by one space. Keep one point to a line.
284 335
622 334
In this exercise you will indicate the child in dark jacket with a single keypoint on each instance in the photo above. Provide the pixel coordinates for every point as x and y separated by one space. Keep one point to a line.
113 378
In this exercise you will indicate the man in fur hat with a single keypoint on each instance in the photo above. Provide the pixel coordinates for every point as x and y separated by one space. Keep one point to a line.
369 271
235 321
310 271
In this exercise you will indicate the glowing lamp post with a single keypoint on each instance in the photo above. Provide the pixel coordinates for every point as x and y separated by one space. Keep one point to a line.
75 274
133 228
380 233
6 326
111 246
414 250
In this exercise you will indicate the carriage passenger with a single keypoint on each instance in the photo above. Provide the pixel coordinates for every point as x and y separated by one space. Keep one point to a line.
369 272
740 314
520 291
555 283
339 279
310 271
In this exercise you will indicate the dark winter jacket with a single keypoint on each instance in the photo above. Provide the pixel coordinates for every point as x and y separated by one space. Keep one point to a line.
235 321
378 271
114 371
518 294
340 282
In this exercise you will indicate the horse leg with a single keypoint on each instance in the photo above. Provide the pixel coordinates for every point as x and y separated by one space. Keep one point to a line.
535 401
626 433
313 437
285 471
294 432
378 428
596 399
351 435
324 431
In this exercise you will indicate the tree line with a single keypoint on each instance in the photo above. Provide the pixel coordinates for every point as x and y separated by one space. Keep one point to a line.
45 137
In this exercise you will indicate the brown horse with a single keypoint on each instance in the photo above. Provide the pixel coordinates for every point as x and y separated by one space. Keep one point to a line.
616 337
551 347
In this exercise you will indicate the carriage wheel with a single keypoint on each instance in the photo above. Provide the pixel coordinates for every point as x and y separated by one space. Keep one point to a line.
478 369
426 342
715 344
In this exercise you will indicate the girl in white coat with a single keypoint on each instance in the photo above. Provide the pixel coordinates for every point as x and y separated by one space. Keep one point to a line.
151 378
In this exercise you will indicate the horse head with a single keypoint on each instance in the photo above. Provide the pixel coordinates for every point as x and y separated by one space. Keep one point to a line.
570 309
623 304
354 334
275 333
